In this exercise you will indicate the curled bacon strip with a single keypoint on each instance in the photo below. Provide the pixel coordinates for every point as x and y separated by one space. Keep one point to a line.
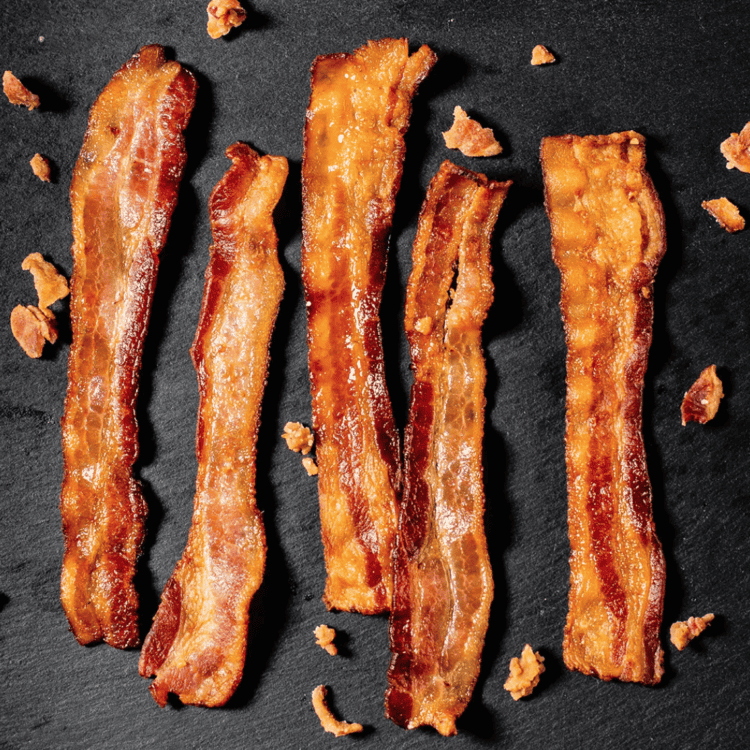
443 580
123 192
607 240
354 148
196 646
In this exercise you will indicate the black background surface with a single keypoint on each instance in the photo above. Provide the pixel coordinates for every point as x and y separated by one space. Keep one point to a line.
677 72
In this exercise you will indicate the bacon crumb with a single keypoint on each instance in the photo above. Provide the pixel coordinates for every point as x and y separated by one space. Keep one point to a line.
310 466
726 213
50 285
701 402
540 55
324 638
327 720
223 15
41 168
298 437
31 327
736 150
681 633
469 137
524 673
17 93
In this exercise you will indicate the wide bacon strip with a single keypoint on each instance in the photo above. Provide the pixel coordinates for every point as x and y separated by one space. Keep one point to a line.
123 192
196 646
607 240
443 579
354 149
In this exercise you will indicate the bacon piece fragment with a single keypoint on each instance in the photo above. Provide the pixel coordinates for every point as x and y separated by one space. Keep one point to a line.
607 240
223 16
324 638
702 400
41 168
736 150
196 645
49 283
310 466
469 137
524 673
123 191
354 148
540 55
327 720
681 633
31 327
442 576
726 213
298 437
17 93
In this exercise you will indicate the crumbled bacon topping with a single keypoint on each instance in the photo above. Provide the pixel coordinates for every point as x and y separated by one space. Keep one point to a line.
681 633
324 638
524 673
40 166
726 213
31 327
17 93
50 285
298 437
736 150
310 466
540 55
327 720
223 16
469 137
701 402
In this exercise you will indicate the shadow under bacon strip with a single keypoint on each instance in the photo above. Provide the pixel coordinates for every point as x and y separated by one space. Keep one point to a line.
607 240
443 580
359 110
196 646
123 192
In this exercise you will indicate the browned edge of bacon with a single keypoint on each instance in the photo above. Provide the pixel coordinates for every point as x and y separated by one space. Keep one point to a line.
443 581
359 110
123 192
196 646
607 240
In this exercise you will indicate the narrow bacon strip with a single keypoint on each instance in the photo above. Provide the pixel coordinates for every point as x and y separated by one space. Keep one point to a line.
123 192
354 149
443 580
607 240
196 646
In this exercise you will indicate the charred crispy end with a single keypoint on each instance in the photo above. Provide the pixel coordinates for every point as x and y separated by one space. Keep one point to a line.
524 673
196 645
443 581
298 437
324 638
681 633
223 16
41 168
49 283
123 191
469 137
17 93
736 150
607 240
359 110
540 55
726 213
701 402
31 327
327 720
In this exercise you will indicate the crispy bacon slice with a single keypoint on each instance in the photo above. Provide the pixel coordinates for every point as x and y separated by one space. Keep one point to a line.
123 192
443 580
196 646
607 240
354 149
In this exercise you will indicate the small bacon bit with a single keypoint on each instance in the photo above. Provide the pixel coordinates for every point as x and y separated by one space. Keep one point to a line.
469 137
524 673
17 93
726 213
298 437
31 327
540 55
736 150
327 720
223 15
681 633
41 168
324 638
701 402
50 285
310 466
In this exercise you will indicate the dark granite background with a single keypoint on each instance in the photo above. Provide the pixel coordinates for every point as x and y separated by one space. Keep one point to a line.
677 72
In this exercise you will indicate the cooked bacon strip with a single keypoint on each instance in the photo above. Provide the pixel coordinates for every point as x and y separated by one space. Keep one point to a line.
123 192
443 580
354 148
196 646
607 240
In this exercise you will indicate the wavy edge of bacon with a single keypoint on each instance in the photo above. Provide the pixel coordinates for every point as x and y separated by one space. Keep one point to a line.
356 437
197 644
632 651
443 579
145 108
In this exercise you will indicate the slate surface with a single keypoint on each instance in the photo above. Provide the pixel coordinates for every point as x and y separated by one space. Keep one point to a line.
675 71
